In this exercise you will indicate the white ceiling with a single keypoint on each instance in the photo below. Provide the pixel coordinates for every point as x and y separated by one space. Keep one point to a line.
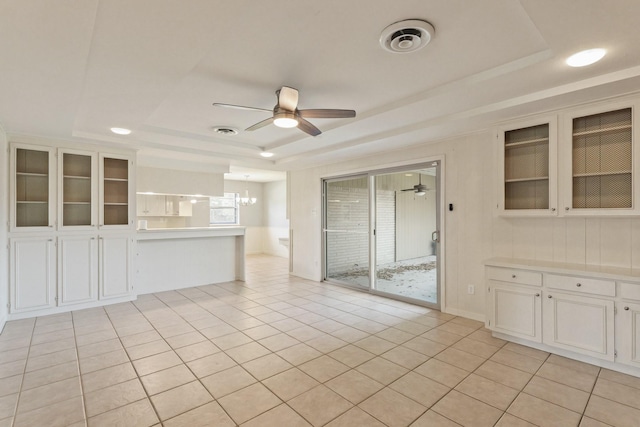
72 69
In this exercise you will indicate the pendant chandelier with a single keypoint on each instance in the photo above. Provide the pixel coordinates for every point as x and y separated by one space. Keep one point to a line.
246 200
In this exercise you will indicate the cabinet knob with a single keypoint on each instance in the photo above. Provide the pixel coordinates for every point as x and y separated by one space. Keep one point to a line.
567 208
537 295
549 296
513 276
578 284
553 209
626 308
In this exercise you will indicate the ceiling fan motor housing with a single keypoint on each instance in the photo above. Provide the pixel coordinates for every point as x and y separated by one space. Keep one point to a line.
407 36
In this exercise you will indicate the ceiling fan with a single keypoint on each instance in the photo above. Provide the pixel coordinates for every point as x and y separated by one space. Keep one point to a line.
286 113
419 189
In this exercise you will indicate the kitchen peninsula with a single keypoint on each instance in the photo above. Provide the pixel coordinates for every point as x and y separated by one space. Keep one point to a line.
177 258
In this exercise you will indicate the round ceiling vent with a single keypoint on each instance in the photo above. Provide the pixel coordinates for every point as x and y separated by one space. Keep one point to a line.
225 130
407 36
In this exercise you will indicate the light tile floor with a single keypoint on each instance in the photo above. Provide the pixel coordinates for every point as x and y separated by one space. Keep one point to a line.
281 351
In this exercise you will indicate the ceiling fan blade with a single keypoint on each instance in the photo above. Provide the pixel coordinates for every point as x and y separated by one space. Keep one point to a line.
326 113
241 107
260 124
307 127
288 98
409 189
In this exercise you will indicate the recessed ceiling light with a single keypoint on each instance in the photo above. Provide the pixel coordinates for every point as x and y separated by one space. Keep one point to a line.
408 174
266 154
121 131
586 57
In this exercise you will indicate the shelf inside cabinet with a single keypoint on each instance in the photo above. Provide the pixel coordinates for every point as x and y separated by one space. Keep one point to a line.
580 175
43 175
34 202
536 178
603 130
538 141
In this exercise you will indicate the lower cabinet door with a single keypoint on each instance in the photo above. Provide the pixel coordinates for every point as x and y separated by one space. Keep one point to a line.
516 310
77 269
32 273
628 332
584 325
115 266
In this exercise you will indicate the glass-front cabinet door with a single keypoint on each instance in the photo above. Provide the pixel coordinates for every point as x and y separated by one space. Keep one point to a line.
78 189
528 168
602 161
115 191
33 187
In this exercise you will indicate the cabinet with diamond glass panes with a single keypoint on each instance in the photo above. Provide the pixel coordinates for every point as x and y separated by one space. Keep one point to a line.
597 161
527 167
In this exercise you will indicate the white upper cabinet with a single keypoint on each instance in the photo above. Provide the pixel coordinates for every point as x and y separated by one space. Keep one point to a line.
598 158
527 167
78 187
33 188
586 166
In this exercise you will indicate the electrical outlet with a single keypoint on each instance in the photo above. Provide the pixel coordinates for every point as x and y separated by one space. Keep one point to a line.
471 289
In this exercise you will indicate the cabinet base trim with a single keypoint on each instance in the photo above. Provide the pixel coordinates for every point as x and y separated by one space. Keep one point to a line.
67 308
618 367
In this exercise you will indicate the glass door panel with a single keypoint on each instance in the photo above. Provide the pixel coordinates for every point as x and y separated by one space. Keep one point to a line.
407 233
346 230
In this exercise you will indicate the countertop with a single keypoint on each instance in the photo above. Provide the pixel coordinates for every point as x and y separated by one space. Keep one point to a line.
600 271
189 232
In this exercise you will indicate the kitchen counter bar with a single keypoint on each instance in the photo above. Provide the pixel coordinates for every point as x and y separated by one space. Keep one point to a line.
169 259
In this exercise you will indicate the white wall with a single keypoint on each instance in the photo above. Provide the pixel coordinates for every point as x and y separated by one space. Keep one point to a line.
274 218
4 207
473 231
250 216
468 179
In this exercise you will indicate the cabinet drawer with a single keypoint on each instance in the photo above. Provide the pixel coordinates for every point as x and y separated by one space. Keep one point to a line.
630 291
512 275
581 284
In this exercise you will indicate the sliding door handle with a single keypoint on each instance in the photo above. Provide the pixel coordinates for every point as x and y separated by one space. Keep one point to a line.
435 236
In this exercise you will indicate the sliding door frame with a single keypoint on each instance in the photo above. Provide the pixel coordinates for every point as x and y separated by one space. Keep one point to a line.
440 221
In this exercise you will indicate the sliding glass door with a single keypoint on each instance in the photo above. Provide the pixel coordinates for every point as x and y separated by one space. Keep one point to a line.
406 249
382 232
346 230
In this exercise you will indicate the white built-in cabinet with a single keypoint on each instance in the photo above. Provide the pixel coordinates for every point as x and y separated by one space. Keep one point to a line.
32 271
517 311
115 267
77 269
579 162
71 227
572 312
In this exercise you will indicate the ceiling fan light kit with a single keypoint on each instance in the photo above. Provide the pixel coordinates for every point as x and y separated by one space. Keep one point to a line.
286 114
407 36
285 119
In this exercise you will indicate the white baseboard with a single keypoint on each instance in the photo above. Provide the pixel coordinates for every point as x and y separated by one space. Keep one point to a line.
462 313
3 321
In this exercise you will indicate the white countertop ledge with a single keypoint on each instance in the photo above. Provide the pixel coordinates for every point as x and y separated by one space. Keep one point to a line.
596 271
189 233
